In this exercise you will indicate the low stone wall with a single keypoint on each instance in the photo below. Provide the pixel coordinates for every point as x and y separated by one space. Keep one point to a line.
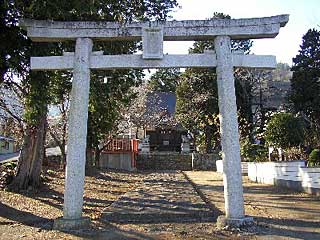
164 161
119 161
204 161
292 175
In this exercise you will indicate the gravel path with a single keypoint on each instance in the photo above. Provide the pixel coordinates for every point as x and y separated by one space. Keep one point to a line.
160 197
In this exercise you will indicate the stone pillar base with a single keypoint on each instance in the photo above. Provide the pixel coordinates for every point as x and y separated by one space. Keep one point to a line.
71 224
223 222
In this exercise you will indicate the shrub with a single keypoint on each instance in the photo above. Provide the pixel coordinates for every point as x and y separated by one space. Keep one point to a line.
253 152
314 158
7 173
284 130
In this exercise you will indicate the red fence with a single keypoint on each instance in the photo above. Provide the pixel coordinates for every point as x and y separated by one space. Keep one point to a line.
117 145
123 145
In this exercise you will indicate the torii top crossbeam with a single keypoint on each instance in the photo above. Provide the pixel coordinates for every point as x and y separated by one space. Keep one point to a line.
246 28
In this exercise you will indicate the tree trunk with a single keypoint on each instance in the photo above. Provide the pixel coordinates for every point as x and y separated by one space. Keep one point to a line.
89 161
208 135
64 136
97 152
31 157
63 158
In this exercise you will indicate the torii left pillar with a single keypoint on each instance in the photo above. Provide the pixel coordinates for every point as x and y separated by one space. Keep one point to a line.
77 140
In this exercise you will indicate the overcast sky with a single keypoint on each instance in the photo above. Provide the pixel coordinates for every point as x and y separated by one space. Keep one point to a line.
304 14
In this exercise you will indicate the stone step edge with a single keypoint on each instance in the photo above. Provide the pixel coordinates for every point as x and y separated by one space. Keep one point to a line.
155 218
204 198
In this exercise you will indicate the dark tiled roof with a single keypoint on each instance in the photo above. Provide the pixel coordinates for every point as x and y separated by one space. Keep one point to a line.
161 101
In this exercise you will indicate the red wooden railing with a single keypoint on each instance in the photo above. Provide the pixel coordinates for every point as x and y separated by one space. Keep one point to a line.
123 145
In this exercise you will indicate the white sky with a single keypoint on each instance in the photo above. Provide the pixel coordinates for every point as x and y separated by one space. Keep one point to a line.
304 14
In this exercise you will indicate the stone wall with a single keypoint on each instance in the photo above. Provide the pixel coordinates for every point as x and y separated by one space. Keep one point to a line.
204 161
164 161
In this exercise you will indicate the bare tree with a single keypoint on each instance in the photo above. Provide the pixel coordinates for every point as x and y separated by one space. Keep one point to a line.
146 110
11 108
57 128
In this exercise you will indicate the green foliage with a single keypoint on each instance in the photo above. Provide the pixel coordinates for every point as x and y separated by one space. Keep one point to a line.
12 40
106 100
284 130
305 84
314 158
197 106
42 88
165 80
253 152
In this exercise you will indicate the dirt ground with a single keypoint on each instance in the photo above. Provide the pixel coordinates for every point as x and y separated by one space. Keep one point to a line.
279 214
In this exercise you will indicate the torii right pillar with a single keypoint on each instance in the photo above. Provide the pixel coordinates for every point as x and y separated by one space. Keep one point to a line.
232 176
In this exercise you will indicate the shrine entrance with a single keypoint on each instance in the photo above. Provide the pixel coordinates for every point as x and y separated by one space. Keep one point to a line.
152 34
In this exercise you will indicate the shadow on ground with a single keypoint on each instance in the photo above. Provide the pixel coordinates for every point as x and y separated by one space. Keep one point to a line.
25 218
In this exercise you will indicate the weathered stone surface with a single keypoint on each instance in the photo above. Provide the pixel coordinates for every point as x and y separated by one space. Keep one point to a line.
152 43
233 191
62 224
105 62
185 148
223 222
77 131
267 27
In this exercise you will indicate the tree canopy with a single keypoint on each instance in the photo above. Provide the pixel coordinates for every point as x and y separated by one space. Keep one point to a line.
284 130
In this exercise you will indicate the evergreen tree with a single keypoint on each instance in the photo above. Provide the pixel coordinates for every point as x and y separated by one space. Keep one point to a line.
305 82
38 85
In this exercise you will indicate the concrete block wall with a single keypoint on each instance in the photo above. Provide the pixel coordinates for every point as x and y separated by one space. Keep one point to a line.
288 174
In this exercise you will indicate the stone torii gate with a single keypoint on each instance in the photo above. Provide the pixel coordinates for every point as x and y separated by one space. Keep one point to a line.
152 35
